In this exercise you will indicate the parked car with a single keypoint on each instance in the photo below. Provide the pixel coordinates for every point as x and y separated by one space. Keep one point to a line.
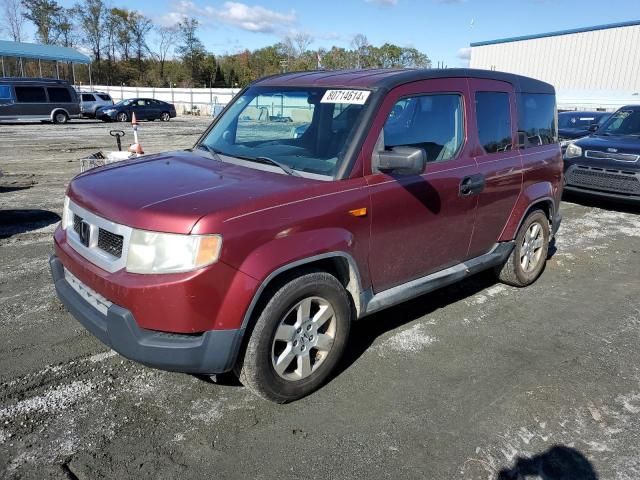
37 99
573 125
607 162
144 108
91 101
254 251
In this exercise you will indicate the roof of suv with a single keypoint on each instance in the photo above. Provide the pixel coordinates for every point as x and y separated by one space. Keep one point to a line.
390 78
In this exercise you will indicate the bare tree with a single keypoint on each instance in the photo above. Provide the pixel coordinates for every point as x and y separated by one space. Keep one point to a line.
360 46
167 37
12 19
302 42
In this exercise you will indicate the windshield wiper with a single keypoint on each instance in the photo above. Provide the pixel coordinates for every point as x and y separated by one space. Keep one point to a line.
270 161
211 150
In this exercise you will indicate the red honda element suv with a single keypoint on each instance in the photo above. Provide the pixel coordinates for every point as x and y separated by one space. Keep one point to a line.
313 200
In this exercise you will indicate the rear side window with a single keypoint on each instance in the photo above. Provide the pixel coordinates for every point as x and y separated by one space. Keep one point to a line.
434 123
59 95
494 121
537 123
104 97
87 97
30 94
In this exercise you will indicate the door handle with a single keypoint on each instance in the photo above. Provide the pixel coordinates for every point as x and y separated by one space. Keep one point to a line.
472 185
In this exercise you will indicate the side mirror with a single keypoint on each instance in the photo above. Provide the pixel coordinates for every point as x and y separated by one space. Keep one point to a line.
402 160
593 127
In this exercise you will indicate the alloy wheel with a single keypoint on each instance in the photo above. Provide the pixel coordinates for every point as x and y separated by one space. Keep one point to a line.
303 339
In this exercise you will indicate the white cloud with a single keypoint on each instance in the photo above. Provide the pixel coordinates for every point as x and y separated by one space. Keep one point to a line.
387 3
464 53
252 18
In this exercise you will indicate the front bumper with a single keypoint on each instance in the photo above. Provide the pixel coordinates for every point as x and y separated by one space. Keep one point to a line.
210 352
100 115
613 180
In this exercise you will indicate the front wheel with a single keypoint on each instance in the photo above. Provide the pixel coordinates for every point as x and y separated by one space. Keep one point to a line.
122 117
298 339
528 258
165 117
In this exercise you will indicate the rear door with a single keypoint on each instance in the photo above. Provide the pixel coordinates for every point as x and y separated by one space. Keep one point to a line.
421 223
153 109
494 133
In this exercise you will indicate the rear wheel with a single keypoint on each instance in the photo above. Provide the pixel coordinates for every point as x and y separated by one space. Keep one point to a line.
298 338
528 258
60 117
165 117
122 117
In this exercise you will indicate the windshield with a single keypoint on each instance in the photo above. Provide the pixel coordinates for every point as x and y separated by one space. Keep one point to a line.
307 130
580 120
623 122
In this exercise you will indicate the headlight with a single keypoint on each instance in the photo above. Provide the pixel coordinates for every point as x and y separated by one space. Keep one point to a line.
66 214
573 151
564 143
152 252
109 110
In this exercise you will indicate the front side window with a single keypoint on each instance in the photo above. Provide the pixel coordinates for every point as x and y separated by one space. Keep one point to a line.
494 121
536 120
623 122
104 97
434 123
87 97
59 95
306 129
30 94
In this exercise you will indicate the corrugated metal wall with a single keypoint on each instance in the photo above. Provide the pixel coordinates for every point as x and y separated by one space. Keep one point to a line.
606 59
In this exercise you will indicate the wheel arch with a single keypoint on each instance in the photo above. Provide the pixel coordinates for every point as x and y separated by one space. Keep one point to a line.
338 263
537 196
57 110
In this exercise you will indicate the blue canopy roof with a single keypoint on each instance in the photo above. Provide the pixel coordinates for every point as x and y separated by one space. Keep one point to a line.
41 52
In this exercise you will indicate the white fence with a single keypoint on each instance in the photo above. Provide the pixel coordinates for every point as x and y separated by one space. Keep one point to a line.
203 101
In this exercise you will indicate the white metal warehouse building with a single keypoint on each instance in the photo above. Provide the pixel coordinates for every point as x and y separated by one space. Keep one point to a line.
592 67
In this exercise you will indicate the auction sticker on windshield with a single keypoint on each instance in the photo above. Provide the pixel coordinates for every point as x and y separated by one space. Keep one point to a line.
357 97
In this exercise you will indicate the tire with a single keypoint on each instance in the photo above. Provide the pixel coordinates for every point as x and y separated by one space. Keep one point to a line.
60 118
165 117
122 117
320 336
529 256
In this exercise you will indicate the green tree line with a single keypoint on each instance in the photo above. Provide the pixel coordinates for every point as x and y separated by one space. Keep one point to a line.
128 48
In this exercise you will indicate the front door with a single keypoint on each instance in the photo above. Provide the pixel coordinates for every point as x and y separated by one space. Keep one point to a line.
422 223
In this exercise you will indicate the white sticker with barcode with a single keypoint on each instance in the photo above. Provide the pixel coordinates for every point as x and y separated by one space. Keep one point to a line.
357 97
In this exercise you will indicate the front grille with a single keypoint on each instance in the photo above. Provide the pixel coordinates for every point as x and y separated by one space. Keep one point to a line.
77 221
604 179
619 157
110 242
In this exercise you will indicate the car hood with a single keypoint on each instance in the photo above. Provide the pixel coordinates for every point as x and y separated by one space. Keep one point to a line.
621 143
572 132
170 192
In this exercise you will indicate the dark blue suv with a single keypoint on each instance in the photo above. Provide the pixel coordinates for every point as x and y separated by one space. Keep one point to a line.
607 162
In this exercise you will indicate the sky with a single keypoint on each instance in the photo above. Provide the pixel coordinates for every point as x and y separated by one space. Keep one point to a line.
442 29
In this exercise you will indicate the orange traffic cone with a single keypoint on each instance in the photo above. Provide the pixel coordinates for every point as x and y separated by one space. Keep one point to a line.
136 147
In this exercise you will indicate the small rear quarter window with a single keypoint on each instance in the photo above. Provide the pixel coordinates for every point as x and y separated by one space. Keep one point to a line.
59 95
537 123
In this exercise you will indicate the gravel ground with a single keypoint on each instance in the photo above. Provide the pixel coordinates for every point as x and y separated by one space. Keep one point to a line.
475 381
